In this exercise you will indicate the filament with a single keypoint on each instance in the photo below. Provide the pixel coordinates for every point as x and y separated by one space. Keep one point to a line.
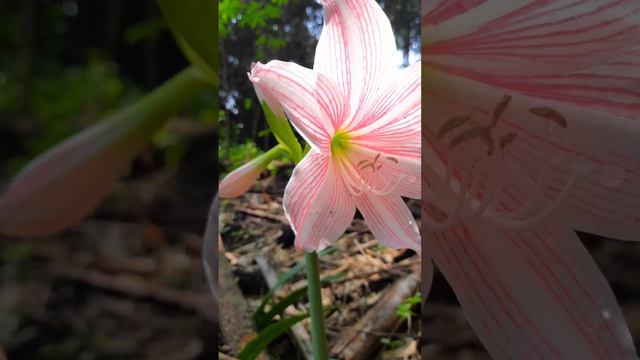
463 191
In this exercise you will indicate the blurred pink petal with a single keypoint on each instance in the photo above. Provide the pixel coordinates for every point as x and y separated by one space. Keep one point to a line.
531 126
532 294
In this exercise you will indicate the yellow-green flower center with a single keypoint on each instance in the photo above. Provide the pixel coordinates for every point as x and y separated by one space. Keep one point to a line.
340 143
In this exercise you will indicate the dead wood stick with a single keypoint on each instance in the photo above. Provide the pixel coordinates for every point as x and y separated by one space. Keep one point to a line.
235 322
137 287
300 334
262 214
222 356
358 341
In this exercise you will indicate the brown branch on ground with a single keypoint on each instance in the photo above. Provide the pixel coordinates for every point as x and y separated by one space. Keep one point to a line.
262 214
137 287
358 342
235 322
302 337
223 356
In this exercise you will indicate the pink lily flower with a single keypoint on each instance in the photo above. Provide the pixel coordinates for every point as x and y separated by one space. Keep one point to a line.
361 117
532 131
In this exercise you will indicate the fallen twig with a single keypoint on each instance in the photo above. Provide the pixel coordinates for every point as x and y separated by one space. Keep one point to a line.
262 214
235 322
222 356
298 331
137 287
358 341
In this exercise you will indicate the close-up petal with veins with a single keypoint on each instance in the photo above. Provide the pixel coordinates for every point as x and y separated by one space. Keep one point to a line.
531 128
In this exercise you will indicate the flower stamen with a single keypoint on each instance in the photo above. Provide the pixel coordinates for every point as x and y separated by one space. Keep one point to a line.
473 200
362 184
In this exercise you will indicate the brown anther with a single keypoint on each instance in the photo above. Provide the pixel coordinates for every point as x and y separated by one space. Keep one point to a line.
550 114
392 159
452 124
507 139
487 139
499 110
468 135
370 164
481 132
363 164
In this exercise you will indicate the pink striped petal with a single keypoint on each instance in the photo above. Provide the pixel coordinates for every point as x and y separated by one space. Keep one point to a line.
356 48
317 203
531 37
394 114
534 294
604 201
314 104
390 220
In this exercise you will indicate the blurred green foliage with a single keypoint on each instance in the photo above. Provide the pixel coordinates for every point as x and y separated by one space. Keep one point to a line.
404 309
239 154
251 14
62 102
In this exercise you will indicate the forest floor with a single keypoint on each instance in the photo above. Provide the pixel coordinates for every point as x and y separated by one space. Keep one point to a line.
255 232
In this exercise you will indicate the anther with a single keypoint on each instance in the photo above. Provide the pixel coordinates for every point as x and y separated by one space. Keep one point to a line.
452 124
550 114
470 199
500 109
507 139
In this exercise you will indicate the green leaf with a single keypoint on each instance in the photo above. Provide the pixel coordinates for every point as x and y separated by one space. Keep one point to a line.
404 308
144 30
194 25
63 185
285 278
283 133
266 336
281 281
264 320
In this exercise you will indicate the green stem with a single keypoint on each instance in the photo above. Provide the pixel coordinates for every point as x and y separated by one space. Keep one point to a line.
318 336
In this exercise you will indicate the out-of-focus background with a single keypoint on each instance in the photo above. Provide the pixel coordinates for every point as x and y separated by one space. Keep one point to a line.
127 283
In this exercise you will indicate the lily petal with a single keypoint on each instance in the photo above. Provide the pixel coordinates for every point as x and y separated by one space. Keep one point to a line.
532 294
317 203
605 201
531 37
390 220
314 104
612 87
356 48
394 115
